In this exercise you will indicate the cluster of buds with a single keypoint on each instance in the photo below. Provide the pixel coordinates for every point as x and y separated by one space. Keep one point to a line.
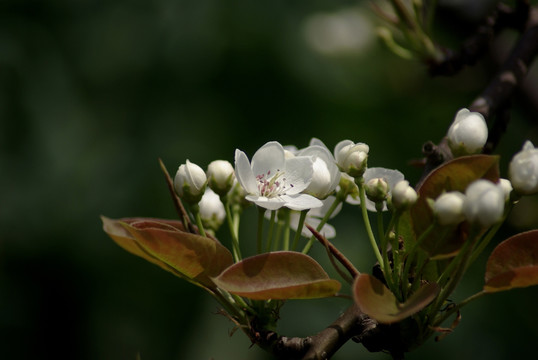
191 184
483 203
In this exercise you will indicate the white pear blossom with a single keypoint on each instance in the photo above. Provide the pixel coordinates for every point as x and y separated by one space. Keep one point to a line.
484 203
220 175
448 208
403 195
351 158
326 174
190 182
523 170
314 217
273 181
212 210
391 177
468 133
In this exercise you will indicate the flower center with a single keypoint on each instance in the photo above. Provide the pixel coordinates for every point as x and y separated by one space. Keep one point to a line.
272 186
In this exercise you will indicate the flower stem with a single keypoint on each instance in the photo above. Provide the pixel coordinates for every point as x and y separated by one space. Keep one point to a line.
270 232
196 212
447 314
369 232
452 275
326 218
410 256
299 229
259 238
230 218
286 239
278 235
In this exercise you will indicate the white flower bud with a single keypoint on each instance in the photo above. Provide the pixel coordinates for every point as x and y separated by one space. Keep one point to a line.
190 182
351 158
449 208
403 195
468 133
484 203
506 185
220 175
212 210
376 189
523 170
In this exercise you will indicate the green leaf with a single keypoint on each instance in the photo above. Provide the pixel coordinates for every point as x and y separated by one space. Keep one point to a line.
378 302
454 175
278 275
513 263
166 244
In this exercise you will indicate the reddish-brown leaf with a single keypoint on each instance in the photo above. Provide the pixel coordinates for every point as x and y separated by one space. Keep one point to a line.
163 242
378 302
278 275
513 263
454 175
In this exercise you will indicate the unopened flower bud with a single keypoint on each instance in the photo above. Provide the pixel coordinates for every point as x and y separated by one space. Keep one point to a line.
212 210
403 195
190 182
448 208
376 189
220 176
351 158
506 185
348 186
484 203
523 170
468 133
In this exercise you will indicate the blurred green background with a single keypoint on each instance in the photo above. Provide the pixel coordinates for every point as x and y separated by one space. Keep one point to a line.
93 92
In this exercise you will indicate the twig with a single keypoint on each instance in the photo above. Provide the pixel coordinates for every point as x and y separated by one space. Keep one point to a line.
494 101
335 252
177 201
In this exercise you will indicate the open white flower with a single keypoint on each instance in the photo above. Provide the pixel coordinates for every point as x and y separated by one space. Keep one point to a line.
326 174
273 181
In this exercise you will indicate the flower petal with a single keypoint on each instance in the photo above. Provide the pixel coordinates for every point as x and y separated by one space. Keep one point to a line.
390 176
322 152
339 147
244 174
268 159
301 201
274 203
298 172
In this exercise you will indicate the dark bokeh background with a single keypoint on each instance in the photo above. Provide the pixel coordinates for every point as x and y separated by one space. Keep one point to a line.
93 92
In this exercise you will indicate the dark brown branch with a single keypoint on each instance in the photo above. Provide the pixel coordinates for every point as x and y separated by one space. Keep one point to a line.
477 45
514 70
494 101
351 324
